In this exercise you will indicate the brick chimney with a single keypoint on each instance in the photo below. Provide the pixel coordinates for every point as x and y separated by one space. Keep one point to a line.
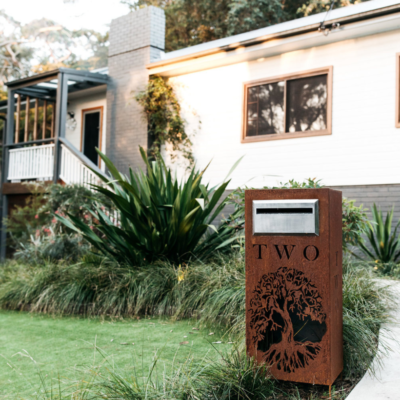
135 40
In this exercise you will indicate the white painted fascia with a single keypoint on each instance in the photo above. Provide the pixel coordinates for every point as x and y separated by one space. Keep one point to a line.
275 47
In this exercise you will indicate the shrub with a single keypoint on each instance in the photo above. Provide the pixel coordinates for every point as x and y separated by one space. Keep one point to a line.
354 219
160 218
52 247
385 245
389 269
37 236
354 224
25 221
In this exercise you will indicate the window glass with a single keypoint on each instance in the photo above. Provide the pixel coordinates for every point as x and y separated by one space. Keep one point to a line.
271 114
265 109
306 104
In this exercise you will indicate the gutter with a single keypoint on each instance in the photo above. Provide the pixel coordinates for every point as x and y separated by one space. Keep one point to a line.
281 35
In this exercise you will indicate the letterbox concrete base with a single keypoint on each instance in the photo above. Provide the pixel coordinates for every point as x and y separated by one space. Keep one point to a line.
294 286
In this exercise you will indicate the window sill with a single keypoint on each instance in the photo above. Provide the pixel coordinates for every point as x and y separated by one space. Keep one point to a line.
283 136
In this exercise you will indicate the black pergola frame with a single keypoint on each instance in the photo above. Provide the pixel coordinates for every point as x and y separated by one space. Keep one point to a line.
24 87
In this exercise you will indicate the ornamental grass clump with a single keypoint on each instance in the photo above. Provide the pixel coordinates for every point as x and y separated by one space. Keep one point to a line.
231 376
237 376
160 218
366 308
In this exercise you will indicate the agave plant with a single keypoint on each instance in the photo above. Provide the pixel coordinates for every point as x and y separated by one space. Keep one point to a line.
385 245
160 218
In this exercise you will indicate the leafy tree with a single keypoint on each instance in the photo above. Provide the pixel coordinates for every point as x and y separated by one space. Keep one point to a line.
15 56
247 15
60 45
43 45
285 303
192 22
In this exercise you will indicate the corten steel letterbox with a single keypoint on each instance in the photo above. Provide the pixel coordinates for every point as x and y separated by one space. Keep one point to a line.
294 282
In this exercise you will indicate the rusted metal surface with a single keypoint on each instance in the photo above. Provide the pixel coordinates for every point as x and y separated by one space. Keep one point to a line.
294 293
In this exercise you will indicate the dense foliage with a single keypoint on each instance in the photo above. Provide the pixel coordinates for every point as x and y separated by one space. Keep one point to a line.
390 269
36 235
354 224
165 124
354 219
384 243
192 22
160 218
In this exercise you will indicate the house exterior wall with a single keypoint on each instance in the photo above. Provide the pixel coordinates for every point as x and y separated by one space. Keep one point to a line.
82 103
385 197
135 40
364 145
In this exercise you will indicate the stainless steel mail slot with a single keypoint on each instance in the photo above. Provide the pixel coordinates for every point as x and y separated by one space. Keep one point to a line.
285 217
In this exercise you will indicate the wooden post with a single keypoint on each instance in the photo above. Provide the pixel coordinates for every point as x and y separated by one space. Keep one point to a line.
7 139
17 121
36 119
27 107
60 121
44 119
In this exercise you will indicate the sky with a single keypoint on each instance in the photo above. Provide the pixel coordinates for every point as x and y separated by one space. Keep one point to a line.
73 14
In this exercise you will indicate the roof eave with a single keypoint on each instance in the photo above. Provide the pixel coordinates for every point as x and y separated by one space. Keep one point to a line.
281 35
44 76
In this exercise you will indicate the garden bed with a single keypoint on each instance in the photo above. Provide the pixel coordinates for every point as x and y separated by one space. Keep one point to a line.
209 296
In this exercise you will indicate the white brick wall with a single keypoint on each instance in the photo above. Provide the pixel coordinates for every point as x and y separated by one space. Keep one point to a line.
363 148
138 29
135 39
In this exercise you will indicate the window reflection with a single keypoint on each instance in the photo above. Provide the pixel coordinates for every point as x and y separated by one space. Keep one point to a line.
292 105
265 111
306 104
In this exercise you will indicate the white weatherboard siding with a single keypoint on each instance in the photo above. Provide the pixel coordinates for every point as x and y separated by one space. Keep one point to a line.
363 148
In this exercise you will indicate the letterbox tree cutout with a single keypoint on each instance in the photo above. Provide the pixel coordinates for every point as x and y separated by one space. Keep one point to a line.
294 283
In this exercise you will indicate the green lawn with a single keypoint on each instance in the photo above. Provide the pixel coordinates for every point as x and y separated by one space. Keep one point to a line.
61 346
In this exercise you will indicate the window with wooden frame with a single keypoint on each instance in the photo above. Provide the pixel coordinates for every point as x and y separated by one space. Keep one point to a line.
92 129
397 90
288 106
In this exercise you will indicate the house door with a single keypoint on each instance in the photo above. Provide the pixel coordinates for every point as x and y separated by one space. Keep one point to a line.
91 133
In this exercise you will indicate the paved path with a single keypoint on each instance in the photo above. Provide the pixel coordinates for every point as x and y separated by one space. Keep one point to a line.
386 384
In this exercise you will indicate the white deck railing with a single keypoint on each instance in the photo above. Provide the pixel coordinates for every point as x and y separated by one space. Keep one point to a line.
73 171
36 162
